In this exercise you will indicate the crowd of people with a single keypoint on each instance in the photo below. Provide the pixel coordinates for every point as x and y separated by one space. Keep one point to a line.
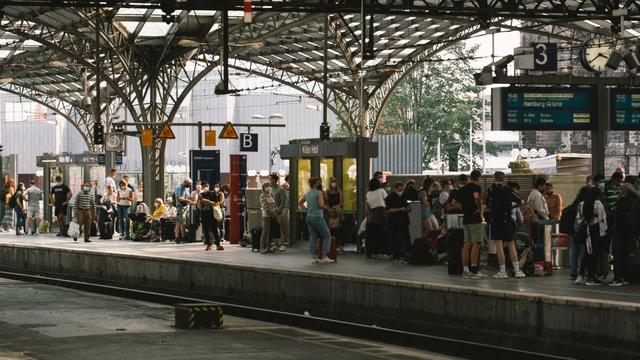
600 221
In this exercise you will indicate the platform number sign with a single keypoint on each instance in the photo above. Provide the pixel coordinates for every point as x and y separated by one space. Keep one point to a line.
545 56
249 142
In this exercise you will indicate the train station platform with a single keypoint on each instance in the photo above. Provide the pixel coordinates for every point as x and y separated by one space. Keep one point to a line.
545 314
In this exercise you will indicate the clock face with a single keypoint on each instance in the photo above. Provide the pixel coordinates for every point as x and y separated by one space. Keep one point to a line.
596 53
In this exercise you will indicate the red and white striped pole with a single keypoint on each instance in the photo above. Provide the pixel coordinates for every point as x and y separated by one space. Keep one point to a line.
247 12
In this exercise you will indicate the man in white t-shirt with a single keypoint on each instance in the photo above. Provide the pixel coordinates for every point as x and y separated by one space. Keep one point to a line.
33 195
111 180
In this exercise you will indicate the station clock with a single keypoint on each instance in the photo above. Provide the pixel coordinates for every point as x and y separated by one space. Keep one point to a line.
595 54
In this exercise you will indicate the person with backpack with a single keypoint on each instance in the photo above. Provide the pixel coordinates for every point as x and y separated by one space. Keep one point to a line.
7 194
567 226
590 227
60 196
17 203
499 200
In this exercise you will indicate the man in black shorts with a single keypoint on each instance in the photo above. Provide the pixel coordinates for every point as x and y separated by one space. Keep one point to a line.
499 200
59 197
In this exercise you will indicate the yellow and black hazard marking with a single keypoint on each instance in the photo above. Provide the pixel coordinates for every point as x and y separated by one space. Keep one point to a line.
198 316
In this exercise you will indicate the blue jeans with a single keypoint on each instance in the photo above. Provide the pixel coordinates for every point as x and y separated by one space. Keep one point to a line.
318 227
577 252
123 218
19 219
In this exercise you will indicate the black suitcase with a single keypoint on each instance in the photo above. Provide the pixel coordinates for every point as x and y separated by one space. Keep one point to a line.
94 229
455 241
256 233
192 230
106 230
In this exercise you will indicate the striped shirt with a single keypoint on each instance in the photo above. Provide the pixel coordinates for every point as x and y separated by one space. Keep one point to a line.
85 201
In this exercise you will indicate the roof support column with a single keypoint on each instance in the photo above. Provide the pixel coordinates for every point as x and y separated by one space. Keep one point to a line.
598 133
153 156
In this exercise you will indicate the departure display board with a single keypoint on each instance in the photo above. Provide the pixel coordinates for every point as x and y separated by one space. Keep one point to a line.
546 108
625 109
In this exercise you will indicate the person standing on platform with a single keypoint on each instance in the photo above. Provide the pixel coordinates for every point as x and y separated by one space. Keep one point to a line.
207 200
398 210
277 192
538 206
124 199
499 200
18 206
335 200
268 209
623 234
111 179
7 191
284 217
194 213
85 210
181 198
376 246
592 212
60 196
33 195
470 200
577 248
424 195
313 202
554 202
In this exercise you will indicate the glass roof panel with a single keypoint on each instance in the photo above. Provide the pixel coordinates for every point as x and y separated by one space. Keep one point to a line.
152 29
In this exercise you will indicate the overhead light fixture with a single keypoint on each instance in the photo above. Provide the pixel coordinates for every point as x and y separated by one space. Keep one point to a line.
188 43
276 116
631 61
615 59
57 64
6 80
249 45
501 65
485 77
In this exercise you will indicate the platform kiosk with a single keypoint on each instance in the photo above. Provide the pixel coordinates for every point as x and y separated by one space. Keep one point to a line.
75 169
348 160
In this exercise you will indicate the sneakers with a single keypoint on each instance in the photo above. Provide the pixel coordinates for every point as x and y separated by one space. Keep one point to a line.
208 248
466 275
478 275
520 275
327 260
616 283
501 275
593 282
282 248
579 280
219 247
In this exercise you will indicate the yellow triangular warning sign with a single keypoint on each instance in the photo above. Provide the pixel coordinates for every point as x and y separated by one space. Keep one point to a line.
228 132
166 132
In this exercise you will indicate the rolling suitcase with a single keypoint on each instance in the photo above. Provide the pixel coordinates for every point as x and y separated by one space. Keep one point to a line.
106 230
255 238
455 241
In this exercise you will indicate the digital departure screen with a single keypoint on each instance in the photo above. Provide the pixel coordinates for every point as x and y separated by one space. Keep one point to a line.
625 109
548 108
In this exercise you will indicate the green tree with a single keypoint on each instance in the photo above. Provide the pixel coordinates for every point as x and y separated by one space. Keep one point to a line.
438 100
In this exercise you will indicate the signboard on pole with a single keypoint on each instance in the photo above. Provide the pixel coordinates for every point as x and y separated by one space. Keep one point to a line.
166 132
146 138
249 142
228 132
210 138
114 141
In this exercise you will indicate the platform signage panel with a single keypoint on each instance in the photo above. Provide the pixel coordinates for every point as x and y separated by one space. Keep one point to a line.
249 142
624 105
544 108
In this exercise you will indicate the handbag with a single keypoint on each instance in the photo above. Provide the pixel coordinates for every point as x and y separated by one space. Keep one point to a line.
335 221
217 213
378 216
74 230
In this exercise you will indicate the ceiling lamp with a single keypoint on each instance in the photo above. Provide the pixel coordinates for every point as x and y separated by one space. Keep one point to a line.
615 59
57 64
186 43
6 80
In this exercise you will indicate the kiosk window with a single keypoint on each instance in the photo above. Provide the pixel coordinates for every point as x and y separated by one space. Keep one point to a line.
326 172
349 184
304 173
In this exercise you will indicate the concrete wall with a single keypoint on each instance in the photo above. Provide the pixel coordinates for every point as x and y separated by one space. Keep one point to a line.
580 328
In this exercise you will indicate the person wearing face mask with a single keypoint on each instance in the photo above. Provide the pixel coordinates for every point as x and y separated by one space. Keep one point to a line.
279 197
154 221
85 209
124 200
182 203
398 223
219 194
334 199
225 228
194 213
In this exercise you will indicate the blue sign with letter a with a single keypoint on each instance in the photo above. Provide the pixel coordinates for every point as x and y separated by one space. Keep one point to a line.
249 142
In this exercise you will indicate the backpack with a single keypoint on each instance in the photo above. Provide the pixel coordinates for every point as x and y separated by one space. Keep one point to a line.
568 219
13 200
